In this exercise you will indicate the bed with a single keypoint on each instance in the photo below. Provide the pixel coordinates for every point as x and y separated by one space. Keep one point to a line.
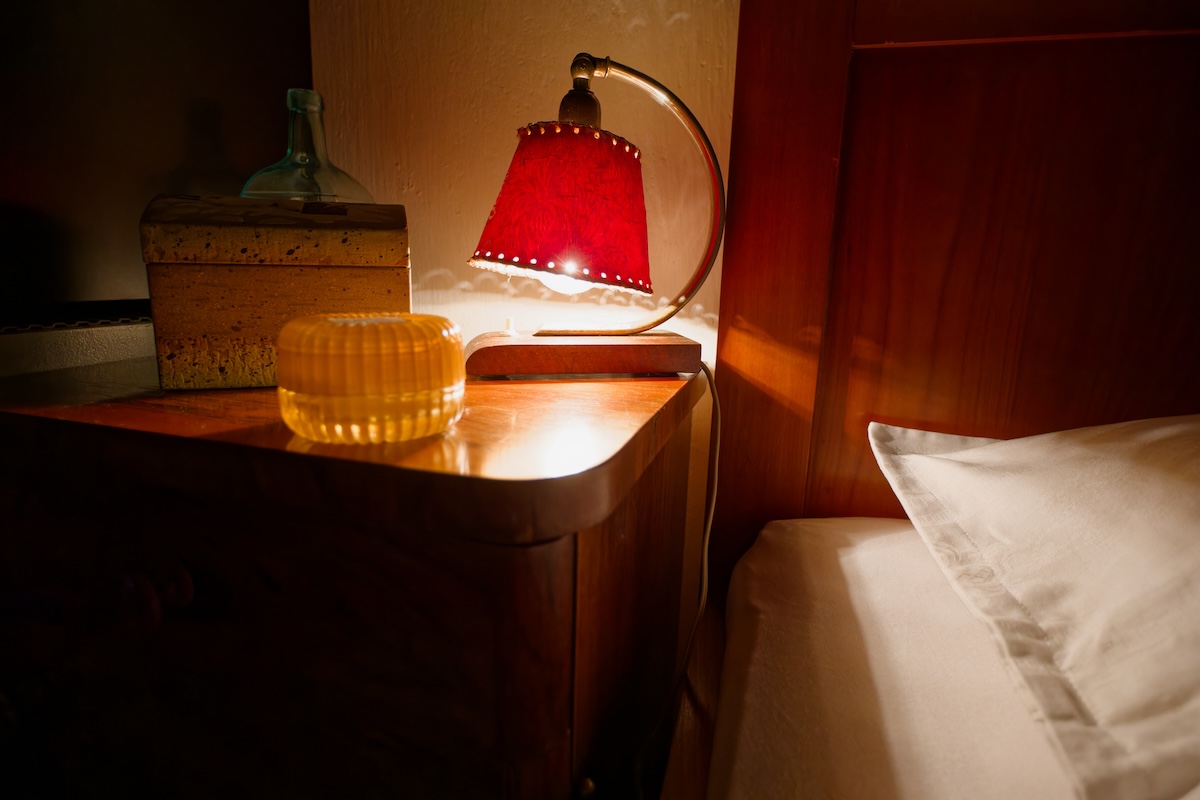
957 542
1031 630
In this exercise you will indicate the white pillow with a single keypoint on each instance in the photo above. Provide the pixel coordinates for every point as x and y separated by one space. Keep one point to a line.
1081 550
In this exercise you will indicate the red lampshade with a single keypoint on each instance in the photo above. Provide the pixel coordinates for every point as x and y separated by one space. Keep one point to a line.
571 205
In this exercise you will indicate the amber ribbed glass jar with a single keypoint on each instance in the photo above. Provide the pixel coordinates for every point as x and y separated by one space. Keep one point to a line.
370 378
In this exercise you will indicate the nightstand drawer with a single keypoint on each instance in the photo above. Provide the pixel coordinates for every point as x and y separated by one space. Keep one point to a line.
308 654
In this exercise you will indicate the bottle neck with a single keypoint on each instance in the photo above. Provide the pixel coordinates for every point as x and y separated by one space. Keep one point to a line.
306 137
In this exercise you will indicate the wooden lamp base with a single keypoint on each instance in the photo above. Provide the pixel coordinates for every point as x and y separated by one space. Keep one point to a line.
512 354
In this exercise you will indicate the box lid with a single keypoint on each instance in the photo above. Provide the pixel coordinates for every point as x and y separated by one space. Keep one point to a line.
238 230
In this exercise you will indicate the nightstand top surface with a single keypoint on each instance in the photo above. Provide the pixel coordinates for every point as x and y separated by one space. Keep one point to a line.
520 444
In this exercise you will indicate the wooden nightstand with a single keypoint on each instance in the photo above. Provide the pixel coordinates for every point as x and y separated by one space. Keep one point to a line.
196 603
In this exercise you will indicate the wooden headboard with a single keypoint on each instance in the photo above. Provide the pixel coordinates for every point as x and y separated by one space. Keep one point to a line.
981 218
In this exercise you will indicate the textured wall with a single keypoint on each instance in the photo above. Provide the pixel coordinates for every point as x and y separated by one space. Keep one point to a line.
423 100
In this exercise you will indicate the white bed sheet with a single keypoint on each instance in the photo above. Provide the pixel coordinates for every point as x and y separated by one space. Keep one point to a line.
853 670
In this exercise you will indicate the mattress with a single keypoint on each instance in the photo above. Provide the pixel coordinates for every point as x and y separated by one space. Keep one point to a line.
854 670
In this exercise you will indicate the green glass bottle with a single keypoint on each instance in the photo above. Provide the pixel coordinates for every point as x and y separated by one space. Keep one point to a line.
306 173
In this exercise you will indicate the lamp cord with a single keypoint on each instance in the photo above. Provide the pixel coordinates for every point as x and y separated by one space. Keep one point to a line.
710 506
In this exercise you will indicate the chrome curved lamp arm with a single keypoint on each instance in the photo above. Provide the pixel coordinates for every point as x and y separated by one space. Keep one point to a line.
586 66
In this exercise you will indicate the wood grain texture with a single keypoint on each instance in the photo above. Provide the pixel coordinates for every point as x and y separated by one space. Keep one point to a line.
190 601
653 353
528 461
790 87
1015 252
889 21
629 608
316 656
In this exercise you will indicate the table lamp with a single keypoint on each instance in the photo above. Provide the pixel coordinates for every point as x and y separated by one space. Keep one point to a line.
572 214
